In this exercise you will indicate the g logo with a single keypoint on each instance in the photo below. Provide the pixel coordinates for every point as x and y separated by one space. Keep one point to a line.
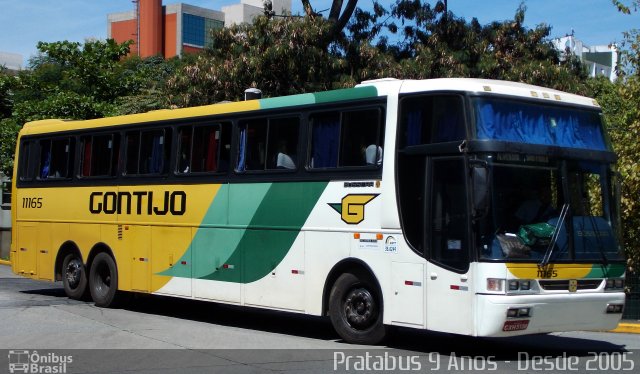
352 207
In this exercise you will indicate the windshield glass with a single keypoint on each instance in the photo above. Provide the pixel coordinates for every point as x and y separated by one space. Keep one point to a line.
534 198
528 122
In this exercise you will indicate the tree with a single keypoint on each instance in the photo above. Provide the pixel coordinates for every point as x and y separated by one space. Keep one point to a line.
338 17
280 56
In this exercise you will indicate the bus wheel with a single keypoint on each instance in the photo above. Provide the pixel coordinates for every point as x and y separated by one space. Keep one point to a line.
355 308
103 281
74 277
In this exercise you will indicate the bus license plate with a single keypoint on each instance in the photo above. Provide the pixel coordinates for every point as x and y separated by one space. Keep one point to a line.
515 325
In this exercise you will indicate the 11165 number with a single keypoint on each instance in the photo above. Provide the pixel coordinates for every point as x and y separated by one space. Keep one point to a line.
32 202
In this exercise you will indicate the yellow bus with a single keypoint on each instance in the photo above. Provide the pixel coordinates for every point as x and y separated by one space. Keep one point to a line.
476 207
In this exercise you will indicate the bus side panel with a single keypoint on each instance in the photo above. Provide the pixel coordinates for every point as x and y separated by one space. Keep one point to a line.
323 251
284 286
212 250
168 252
136 242
25 258
44 251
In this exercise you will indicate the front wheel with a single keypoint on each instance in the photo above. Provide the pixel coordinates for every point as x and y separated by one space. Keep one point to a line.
355 309
74 277
103 281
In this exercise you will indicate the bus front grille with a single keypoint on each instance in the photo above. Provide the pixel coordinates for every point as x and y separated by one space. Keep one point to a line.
563 285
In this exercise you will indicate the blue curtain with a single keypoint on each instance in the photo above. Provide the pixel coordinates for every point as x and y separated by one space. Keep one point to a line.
414 127
242 150
326 135
157 154
527 123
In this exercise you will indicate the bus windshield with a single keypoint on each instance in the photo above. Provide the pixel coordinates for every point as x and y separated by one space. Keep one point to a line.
561 209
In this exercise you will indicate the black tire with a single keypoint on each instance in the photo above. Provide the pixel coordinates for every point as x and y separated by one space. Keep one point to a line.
355 309
74 277
103 281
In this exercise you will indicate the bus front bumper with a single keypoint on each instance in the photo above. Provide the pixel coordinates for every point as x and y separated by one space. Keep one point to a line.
548 313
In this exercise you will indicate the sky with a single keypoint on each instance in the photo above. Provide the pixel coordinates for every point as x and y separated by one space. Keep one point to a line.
25 22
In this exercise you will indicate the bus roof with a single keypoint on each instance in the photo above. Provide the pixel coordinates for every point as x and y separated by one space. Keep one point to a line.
367 89
484 86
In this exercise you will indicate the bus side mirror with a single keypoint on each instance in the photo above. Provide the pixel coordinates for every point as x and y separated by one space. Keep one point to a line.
480 186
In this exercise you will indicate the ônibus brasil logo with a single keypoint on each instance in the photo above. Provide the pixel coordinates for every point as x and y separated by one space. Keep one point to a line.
23 361
351 208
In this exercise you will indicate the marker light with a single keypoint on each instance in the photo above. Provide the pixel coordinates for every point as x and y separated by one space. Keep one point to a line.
495 284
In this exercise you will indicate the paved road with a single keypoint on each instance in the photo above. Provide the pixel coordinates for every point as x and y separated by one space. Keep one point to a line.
157 334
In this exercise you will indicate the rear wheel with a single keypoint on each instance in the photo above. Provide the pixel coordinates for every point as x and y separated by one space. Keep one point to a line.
355 308
74 277
103 281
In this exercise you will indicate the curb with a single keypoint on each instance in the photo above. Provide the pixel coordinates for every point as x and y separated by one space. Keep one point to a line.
627 328
5 262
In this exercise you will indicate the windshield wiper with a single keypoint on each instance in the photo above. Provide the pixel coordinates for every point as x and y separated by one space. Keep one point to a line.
556 234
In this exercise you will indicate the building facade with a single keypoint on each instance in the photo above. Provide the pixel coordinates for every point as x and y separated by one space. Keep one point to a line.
174 29
11 61
601 60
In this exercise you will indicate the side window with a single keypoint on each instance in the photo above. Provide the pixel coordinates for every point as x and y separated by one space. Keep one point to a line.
448 206
268 144
56 158
99 155
27 165
147 152
432 119
204 148
346 139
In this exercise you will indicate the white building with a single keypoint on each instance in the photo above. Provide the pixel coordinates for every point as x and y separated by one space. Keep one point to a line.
11 61
246 10
599 59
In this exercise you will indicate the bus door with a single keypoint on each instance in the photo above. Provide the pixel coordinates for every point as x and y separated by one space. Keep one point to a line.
449 288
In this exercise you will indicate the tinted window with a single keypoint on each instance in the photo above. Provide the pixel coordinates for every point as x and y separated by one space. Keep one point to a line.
56 158
204 148
267 144
147 152
99 155
347 138
432 119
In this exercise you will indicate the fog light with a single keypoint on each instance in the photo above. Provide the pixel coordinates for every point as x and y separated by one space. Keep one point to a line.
513 285
495 284
513 313
523 312
614 308
525 285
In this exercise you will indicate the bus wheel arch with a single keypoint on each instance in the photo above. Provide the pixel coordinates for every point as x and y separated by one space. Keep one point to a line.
71 270
353 300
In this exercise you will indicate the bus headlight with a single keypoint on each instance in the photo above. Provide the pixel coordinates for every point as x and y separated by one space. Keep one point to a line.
495 284
614 284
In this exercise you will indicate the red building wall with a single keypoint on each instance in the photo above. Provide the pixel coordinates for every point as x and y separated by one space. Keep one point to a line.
170 35
150 28
125 30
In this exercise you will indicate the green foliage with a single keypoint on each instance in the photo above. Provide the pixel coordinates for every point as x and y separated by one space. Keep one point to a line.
620 103
79 81
280 56
8 135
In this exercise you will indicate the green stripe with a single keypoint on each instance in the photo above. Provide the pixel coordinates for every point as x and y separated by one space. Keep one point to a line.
285 209
279 102
346 94
606 271
270 216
